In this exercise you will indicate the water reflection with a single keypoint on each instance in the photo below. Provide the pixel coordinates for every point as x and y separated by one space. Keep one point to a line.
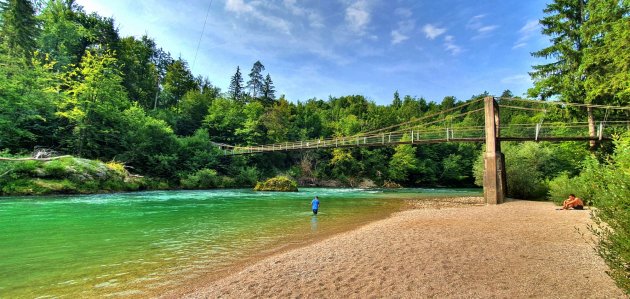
314 223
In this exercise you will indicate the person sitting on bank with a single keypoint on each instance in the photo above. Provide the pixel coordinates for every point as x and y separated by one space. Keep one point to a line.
573 202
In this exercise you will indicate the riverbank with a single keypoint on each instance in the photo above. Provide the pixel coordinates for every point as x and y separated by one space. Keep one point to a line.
517 249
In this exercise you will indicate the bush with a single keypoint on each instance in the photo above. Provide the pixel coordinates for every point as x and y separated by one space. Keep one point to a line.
279 183
202 179
528 167
607 186
248 176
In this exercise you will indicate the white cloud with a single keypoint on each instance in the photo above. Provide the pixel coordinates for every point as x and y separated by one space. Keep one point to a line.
315 20
449 44
403 12
405 26
482 30
526 32
358 16
432 32
486 29
240 7
398 37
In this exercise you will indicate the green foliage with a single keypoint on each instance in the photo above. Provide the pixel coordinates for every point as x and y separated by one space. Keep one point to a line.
606 60
65 175
177 82
529 167
140 73
202 179
19 29
256 81
343 163
247 177
147 144
27 104
403 163
92 104
236 86
607 186
279 183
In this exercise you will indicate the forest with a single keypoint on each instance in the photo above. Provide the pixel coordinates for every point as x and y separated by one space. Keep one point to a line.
71 84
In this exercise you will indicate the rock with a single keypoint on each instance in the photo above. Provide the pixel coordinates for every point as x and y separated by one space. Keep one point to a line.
279 183
367 184
391 185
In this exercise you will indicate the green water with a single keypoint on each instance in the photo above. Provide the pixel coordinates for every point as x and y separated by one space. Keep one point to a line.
136 244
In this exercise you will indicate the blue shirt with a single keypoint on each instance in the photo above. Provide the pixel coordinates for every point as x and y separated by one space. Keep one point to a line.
315 204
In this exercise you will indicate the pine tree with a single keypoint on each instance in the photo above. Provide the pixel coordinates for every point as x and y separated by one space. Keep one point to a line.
268 91
19 28
563 77
606 58
255 83
397 102
236 85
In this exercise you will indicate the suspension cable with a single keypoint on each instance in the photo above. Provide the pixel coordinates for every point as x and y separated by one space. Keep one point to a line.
567 103
201 36
418 119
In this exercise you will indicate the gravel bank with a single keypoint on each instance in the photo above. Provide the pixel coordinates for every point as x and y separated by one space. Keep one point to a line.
447 248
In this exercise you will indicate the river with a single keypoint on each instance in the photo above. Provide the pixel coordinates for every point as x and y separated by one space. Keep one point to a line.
138 244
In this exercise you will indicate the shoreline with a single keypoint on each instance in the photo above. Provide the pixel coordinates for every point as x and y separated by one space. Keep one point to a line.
442 248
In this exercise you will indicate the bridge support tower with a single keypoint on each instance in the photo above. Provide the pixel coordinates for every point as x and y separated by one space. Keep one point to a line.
494 177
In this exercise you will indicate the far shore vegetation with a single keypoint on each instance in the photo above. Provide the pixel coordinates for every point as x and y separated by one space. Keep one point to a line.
133 117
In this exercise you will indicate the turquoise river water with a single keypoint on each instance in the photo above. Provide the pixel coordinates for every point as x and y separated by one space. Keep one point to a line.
139 244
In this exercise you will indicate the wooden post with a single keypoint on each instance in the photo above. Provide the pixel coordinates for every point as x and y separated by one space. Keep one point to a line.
494 171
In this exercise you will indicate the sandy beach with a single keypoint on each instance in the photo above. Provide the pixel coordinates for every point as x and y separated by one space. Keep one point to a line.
440 249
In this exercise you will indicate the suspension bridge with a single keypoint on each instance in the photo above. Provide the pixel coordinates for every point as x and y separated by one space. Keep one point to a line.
440 127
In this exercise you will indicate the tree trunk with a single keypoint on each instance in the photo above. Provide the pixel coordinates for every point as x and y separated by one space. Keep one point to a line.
591 127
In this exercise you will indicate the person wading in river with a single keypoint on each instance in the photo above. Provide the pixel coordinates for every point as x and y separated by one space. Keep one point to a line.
315 205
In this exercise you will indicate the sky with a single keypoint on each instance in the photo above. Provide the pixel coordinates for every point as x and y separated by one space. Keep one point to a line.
319 49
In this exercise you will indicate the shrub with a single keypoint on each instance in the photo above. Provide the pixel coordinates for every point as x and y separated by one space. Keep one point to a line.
202 179
248 176
279 183
608 187
528 168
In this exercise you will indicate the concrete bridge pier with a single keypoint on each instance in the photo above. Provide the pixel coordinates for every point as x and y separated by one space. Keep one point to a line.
494 177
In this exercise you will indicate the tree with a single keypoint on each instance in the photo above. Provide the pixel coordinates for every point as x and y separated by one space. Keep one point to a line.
93 99
236 86
140 74
403 163
277 120
177 82
255 83
19 28
606 58
62 36
27 104
563 77
396 103
268 91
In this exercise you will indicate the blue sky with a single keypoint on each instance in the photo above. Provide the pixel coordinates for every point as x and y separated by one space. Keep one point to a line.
317 49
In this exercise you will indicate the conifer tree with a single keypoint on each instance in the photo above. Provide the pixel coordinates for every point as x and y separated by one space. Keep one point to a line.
255 83
236 85
19 28
563 76
268 91
397 102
